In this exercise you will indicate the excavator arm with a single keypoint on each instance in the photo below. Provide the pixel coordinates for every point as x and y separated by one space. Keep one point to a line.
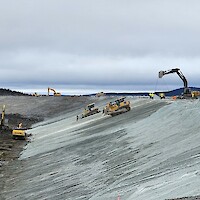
176 70
187 91
2 116
54 92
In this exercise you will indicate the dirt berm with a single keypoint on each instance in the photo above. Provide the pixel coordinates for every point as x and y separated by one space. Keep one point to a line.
28 110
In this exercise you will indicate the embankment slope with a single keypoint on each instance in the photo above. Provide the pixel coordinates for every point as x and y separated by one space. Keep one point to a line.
151 152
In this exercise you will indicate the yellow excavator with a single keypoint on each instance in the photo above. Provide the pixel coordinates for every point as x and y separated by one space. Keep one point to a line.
35 94
54 92
19 132
100 94
90 110
2 122
117 107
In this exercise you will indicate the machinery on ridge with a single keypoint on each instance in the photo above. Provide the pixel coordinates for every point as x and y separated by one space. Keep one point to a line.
117 107
90 110
187 93
100 94
54 92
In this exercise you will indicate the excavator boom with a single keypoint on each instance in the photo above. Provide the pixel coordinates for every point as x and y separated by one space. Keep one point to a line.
54 92
3 116
176 70
187 92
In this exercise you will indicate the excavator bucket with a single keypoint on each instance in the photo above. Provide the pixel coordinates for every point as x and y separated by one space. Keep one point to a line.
161 74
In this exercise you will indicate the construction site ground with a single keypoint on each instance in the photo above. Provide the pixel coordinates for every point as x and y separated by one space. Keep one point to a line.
146 153
28 110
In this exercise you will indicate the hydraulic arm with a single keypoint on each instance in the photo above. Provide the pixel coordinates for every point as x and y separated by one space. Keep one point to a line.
187 91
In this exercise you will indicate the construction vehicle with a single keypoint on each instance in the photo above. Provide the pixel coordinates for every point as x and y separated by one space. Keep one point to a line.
196 93
90 110
54 92
151 95
187 93
117 107
162 95
3 125
35 94
100 94
19 132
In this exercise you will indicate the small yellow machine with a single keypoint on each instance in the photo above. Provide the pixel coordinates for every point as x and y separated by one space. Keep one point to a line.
162 95
117 107
195 93
100 94
151 95
19 132
35 94
90 110
54 92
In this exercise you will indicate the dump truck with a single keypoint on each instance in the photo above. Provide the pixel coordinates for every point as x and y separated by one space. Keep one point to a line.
117 107
90 110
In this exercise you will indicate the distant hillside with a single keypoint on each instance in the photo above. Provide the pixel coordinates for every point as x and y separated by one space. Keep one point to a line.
8 92
178 91
175 92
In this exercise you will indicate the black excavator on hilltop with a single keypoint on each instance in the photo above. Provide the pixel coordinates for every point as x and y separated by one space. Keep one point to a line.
187 93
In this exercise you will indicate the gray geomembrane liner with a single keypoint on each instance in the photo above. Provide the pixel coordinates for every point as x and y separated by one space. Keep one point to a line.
151 152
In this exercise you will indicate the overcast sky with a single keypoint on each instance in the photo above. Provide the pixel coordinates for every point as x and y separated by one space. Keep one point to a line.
106 44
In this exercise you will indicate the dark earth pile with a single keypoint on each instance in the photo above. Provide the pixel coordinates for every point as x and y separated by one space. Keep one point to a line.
6 92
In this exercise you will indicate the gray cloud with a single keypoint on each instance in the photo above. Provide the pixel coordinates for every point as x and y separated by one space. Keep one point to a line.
98 42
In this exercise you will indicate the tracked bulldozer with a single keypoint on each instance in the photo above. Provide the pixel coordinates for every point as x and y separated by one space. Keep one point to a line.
90 110
117 107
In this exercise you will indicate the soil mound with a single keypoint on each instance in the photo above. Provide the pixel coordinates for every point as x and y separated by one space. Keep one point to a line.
8 92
